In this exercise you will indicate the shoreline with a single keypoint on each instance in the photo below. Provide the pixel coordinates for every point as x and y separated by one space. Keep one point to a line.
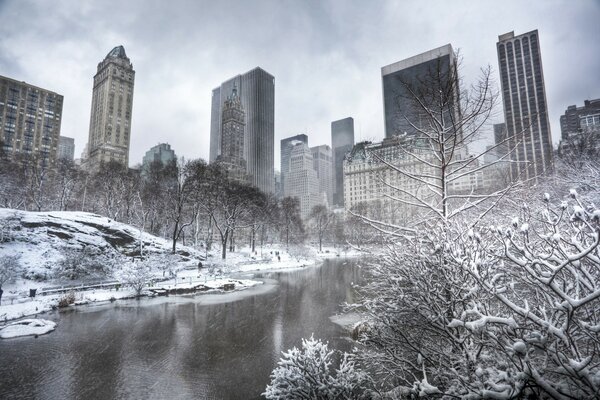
229 282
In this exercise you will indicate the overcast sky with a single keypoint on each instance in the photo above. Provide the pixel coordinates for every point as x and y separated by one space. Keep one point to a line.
326 56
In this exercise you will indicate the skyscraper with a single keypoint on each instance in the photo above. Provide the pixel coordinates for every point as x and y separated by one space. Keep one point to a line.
525 106
30 120
419 74
323 164
112 102
301 179
233 122
256 89
286 149
342 141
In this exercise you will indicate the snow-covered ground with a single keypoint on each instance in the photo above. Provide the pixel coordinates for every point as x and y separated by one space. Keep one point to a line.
42 240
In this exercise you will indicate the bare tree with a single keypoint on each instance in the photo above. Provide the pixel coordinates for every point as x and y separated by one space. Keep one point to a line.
292 227
321 218
416 291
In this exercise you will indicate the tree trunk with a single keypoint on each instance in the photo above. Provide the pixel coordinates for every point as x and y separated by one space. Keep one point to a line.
175 235
224 245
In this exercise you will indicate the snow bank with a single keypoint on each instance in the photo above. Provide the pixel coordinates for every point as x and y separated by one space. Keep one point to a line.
27 327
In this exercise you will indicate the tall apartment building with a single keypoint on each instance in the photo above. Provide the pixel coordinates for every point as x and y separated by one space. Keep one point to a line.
286 149
162 153
233 122
301 179
323 165
423 75
30 119
256 89
525 106
112 103
342 140
66 148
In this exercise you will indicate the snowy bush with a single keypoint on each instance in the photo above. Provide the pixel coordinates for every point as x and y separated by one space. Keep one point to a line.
66 300
301 252
9 266
500 312
309 373
84 263
136 274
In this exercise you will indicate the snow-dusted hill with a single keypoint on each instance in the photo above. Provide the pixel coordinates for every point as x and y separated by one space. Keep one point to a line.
43 238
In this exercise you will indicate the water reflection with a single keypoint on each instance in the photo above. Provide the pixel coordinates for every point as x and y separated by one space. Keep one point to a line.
206 347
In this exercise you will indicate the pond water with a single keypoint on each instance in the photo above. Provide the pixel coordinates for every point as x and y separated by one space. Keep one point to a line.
181 347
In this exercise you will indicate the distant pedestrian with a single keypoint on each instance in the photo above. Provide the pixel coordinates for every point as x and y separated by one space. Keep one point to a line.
279 258
1 291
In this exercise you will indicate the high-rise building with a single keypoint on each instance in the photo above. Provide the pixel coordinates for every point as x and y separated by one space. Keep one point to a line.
112 103
233 122
417 77
301 179
525 106
30 120
286 149
66 148
576 120
162 153
323 164
256 90
342 140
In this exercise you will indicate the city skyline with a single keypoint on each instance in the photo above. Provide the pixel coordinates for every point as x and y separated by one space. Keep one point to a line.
327 66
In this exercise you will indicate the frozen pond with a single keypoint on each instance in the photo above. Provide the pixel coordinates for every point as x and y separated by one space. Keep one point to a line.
204 347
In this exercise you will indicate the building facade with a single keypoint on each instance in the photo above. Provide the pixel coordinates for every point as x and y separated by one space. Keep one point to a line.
30 119
66 148
525 105
301 179
342 141
391 178
112 104
256 90
285 151
577 120
580 132
419 77
233 122
323 165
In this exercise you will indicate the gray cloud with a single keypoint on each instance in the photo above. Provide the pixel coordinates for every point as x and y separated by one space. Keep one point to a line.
325 56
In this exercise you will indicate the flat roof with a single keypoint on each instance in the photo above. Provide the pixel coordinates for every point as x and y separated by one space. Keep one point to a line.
418 59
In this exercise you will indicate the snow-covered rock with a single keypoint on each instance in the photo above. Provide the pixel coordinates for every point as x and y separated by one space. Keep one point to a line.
27 327
42 238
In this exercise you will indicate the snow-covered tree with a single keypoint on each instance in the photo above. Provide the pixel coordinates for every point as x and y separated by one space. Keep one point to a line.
136 274
9 266
320 218
310 373
433 326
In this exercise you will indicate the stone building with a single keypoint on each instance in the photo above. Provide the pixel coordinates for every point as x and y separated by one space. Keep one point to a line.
112 104
66 148
233 123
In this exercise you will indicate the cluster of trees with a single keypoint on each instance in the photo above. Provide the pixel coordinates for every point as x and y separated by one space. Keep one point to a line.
185 201
481 296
